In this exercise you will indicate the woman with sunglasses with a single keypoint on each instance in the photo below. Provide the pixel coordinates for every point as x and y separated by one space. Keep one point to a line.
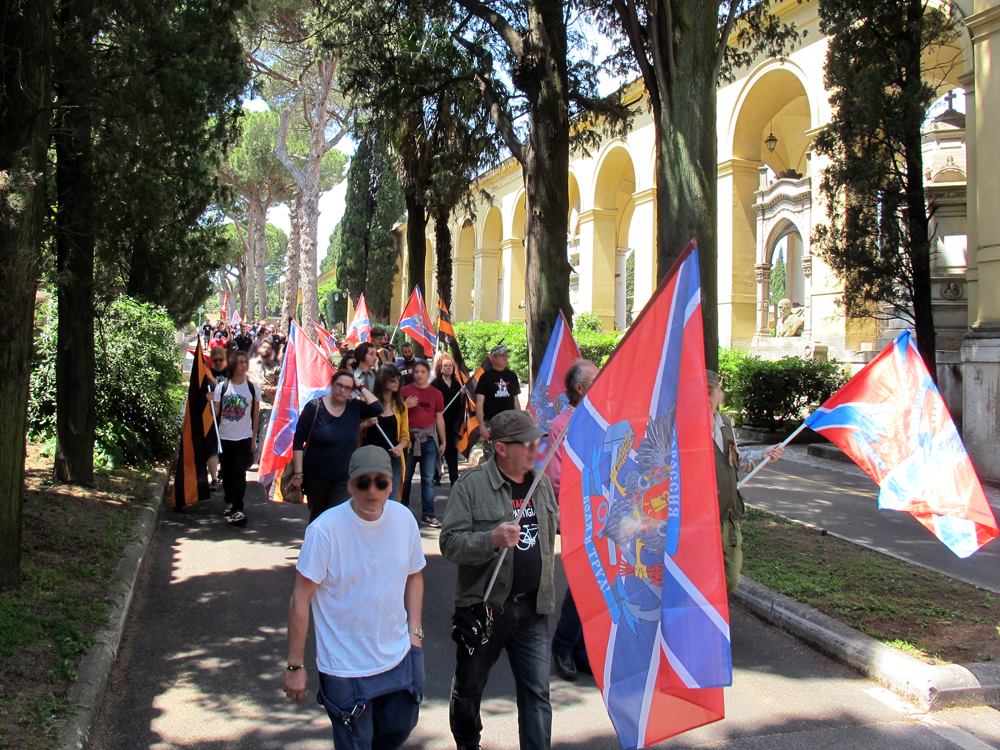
327 434
446 381
391 429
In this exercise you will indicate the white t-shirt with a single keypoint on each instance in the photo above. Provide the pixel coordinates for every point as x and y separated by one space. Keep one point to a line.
236 421
361 568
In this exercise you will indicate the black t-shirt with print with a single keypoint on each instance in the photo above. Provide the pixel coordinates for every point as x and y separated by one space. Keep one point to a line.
499 389
527 551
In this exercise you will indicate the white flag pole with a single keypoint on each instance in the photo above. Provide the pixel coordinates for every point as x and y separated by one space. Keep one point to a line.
767 459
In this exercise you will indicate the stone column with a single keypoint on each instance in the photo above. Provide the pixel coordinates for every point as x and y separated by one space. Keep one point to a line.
762 273
807 272
642 240
738 181
487 262
981 348
462 281
512 253
597 264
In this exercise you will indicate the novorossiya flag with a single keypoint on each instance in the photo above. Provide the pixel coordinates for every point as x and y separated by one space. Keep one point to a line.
891 420
360 329
305 375
548 393
199 437
326 340
416 322
640 524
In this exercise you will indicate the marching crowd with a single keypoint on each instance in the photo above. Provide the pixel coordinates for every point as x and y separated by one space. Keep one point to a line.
355 452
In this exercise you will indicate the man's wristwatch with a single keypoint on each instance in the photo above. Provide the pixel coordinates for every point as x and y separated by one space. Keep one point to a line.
294 667
419 632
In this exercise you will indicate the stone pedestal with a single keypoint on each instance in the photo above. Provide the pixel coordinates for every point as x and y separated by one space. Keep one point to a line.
981 399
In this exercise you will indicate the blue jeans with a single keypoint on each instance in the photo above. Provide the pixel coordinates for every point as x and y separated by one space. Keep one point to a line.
428 466
378 712
525 636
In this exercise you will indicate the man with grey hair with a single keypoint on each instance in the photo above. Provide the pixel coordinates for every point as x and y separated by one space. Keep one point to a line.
729 460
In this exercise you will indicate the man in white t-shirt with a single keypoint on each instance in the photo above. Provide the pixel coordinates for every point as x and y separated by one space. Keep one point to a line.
360 570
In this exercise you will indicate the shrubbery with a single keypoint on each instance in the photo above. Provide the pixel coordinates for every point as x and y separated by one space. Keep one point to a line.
138 383
768 394
476 338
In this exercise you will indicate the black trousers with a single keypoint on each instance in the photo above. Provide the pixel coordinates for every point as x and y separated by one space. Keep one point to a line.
323 495
451 454
233 464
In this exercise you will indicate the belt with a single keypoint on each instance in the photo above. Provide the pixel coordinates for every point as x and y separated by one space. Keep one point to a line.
518 598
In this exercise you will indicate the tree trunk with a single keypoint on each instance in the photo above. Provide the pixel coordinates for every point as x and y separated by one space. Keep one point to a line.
309 219
545 166
416 239
686 166
916 200
25 44
75 397
442 248
261 243
292 255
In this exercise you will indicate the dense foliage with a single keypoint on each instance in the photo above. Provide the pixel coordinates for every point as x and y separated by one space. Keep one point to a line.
366 255
138 392
477 338
765 393
877 238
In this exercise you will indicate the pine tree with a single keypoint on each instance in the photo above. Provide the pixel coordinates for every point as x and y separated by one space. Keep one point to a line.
778 280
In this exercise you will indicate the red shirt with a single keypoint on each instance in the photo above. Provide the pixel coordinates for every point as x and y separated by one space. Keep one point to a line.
424 415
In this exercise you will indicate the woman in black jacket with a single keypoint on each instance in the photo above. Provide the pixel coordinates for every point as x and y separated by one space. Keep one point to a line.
328 432
446 381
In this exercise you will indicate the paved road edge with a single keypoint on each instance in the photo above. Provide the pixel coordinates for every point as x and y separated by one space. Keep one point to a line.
87 691
930 686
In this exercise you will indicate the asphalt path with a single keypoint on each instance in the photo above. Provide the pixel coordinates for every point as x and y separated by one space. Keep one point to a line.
201 664
844 501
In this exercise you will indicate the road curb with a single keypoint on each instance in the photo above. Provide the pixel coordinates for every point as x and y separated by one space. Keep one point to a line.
931 686
87 691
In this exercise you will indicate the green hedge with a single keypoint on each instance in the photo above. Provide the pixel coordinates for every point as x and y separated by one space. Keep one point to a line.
137 382
477 338
769 394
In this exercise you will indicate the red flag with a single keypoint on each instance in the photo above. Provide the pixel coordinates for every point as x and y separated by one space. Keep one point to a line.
641 543
326 340
891 420
416 322
360 330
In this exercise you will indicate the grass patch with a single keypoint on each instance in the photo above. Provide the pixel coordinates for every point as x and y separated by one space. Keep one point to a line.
73 539
925 614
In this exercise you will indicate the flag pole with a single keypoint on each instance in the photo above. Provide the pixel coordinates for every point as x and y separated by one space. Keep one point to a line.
461 390
387 440
539 473
767 459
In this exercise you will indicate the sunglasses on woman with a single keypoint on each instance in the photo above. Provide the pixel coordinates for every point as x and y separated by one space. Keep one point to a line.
364 483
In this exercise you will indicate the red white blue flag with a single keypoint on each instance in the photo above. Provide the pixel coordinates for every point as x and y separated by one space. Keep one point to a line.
360 329
891 420
417 324
326 340
640 524
548 393
305 375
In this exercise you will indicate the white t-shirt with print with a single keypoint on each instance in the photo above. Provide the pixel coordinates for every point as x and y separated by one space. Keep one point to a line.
236 420
361 568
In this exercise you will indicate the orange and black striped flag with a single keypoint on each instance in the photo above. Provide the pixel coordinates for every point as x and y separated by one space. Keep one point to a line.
446 335
199 437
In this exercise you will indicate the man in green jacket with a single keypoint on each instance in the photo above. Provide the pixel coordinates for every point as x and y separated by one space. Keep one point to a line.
478 525
729 460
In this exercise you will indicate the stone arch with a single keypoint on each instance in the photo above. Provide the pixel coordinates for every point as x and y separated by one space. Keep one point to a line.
603 271
513 264
775 99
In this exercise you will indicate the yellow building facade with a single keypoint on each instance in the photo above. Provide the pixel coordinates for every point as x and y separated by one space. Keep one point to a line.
768 205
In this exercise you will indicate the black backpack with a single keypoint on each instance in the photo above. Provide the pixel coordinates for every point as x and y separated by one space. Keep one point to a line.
250 385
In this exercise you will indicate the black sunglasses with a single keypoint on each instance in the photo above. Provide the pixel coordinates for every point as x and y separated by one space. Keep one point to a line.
364 483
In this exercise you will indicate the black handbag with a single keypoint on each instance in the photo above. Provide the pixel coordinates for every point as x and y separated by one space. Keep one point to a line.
472 627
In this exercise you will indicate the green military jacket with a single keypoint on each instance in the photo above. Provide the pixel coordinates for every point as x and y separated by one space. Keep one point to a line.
480 501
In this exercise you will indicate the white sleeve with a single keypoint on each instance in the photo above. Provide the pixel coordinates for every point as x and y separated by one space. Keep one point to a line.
314 557
417 560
